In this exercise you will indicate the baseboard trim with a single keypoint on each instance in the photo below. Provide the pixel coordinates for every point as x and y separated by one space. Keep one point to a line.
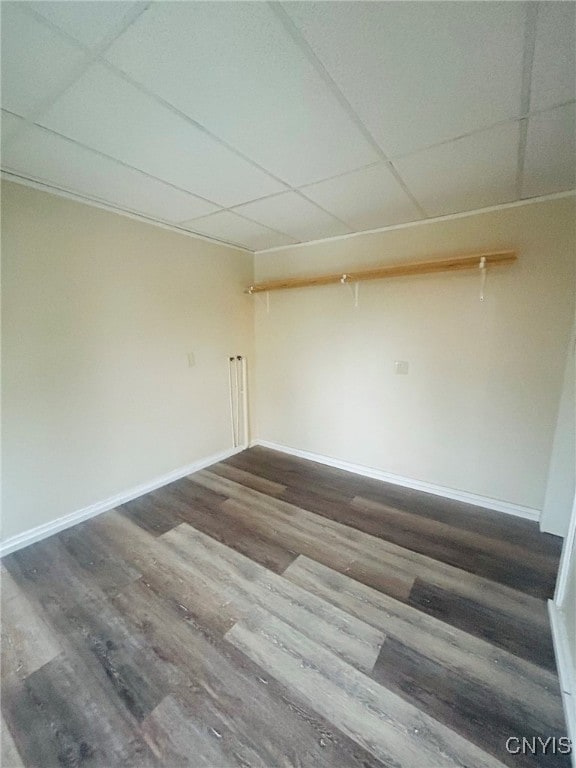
566 671
406 482
21 540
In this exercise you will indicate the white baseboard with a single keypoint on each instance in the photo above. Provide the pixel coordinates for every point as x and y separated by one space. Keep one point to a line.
419 485
48 529
61 523
566 671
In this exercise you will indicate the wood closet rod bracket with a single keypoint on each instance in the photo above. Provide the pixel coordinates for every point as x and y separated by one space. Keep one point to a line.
455 263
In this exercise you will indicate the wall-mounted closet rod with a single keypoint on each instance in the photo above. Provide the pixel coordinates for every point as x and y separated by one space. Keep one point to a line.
391 270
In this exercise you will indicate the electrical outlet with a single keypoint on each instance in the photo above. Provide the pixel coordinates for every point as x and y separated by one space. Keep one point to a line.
191 360
401 366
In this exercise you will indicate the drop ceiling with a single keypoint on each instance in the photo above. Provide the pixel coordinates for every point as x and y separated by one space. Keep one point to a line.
269 124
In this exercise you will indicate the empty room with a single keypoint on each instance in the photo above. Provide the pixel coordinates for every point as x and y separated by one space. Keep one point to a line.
288 384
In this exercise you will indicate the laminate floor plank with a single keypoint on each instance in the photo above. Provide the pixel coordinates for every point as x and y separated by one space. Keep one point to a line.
282 469
462 704
27 641
370 557
299 474
222 690
495 559
525 636
393 730
326 548
468 517
179 580
386 566
468 550
250 587
189 491
461 654
149 515
70 721
305 533
217 523
248 479
96 559
270 611
9 755
179 740
87 626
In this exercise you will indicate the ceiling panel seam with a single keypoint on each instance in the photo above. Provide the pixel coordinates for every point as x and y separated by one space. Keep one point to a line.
221 208
342 99
527 65
105 205
302 194
476 131
38 183
95 55
246 218
431 220
203 129
90 56
116 161
299 190
343 173
148 175
302 188
310 54
199 126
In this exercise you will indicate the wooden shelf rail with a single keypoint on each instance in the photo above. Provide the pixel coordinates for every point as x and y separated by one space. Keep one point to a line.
391 270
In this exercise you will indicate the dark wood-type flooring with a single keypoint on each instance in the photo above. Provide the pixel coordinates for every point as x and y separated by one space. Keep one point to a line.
271 611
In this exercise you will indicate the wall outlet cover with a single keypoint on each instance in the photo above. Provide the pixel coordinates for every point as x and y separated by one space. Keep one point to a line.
401 366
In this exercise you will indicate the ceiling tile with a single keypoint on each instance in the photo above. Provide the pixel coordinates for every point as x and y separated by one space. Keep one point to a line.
41 155
234 229
232 67
295 216
554 67
464 174
105 112
10 126
550 162
365 199
89 22
35 60
423 72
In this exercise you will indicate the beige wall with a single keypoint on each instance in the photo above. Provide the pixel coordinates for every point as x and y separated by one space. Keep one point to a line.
99 315
478 409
